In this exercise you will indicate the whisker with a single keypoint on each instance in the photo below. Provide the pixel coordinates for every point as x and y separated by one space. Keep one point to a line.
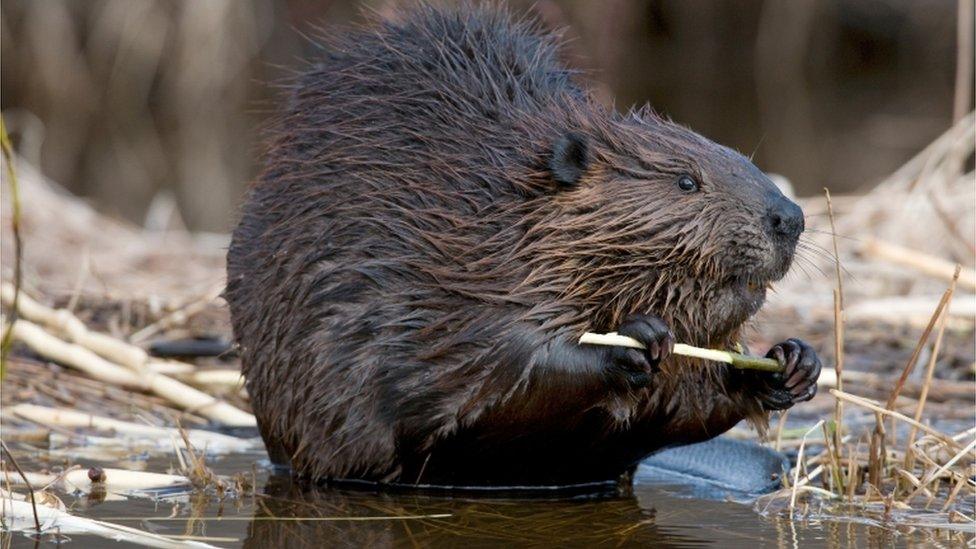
809 262
810 245
818 231
802 268
829 257
816 250
826 255
754 151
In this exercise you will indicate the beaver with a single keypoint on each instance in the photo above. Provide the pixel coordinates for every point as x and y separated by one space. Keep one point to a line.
442 212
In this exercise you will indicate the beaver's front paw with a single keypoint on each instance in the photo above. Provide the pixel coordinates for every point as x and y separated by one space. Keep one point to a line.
797 382
637 365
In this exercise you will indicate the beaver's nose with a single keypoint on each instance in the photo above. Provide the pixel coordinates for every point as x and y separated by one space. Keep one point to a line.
785 218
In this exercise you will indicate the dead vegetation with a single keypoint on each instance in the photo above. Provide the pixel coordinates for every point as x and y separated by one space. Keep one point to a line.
889 441
904 464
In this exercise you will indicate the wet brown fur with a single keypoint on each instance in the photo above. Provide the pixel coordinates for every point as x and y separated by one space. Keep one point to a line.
406 265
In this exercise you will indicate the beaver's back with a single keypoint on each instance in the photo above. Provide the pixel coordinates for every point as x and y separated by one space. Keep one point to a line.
398 172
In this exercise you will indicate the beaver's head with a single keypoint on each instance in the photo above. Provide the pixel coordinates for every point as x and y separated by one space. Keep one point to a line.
656 218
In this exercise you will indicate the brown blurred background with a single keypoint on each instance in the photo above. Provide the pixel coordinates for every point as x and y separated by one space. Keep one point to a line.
153 109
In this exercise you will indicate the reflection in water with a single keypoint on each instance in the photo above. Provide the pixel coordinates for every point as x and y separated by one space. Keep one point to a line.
654 515
649 517
470 521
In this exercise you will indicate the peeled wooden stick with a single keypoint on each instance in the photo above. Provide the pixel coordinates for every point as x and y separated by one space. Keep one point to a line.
78 357
740 361
922 262
113 480
60 417
65 322
17 513
224 377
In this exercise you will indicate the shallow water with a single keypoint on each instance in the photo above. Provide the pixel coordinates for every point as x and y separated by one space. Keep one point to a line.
283 515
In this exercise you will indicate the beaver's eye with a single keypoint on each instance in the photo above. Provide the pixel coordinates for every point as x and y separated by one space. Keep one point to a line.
687 184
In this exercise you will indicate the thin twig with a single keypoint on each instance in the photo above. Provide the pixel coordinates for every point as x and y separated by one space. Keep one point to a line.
8 156
37 522
876 452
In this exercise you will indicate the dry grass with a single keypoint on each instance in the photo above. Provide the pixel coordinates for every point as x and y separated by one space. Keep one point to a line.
880 473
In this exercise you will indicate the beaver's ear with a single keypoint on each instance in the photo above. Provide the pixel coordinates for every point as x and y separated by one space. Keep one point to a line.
570 158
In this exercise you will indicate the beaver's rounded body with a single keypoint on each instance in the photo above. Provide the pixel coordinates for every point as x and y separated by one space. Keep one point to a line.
442 214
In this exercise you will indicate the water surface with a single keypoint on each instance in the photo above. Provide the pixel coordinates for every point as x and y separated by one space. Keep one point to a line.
281 514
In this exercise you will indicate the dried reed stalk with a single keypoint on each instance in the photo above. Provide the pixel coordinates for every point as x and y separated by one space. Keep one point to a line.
838 340
930 370
876 407
918 350
799 465
964 60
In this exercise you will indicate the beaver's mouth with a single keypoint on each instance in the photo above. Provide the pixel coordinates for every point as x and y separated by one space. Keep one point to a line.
743 291
760 278
752 285
756 286
739 298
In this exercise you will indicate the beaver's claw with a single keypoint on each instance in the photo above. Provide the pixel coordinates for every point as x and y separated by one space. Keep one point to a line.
797 382
637 365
